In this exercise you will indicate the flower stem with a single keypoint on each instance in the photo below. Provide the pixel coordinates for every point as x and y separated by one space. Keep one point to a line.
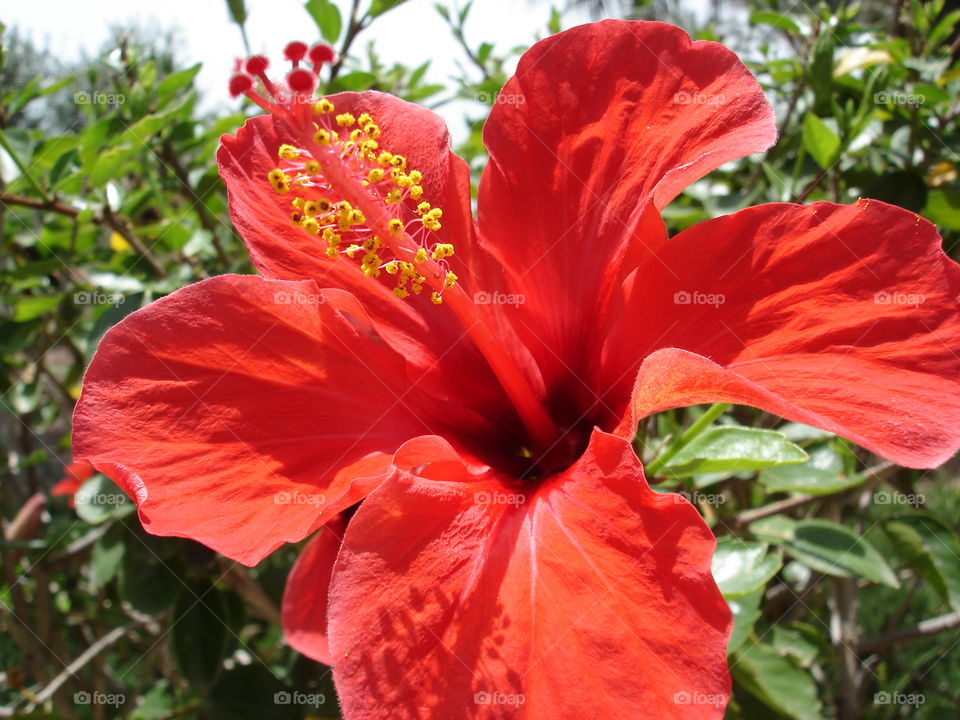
24 170
701 424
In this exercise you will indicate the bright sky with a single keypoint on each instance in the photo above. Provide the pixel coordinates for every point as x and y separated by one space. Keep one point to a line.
411 33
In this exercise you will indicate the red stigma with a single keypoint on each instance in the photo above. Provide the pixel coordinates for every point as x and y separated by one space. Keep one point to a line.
320 54
257 64
301 81
295 51
240 84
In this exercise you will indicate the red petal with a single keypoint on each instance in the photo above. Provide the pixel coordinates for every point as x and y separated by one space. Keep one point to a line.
587 141
843 317
243 421
262 217
592 597
305 595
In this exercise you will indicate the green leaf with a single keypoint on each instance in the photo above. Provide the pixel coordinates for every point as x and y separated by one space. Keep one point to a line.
355 81
732 449
740 568
746 612
379 7
199 634
827 547
109 165
106 557
148 573
327 17
781 21
821 141
822 474
776 682
943 207
238 11
99 499
176 83
932 549
30 308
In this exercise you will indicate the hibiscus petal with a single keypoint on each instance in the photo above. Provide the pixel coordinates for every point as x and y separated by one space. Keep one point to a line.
262 217
244 413
305 595
591 597
422 332
843 317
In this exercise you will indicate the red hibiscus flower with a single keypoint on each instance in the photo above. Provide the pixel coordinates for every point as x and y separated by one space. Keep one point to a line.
477 387
75 475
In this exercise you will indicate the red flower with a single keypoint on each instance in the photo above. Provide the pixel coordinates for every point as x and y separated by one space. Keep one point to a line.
508 558
75 475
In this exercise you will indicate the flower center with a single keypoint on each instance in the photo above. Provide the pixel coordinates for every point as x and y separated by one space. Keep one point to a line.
364 204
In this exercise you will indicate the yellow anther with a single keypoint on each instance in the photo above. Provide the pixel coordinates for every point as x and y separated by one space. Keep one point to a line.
372 130
396 226
279 180
416 192
324 205
399 161
357 217
392 267
421 256
355 135
417 288
310 225
407 270
423 207
288 152
330 237
332 252
442 250
353 250
372 243
364 119
400 292
375 175
297 202
323 107
369 147
416 176
394 196
296 217
385 158
311 208
430 219
311 167
322 137
345 120
435 298
450 280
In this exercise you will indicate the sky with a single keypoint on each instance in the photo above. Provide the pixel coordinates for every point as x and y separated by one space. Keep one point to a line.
411 33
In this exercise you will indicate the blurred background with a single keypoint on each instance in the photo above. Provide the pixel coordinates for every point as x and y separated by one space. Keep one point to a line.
843 571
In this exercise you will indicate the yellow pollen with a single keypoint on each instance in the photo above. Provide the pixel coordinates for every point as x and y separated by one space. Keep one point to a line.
311 167
364 119
353 250
375 175
435 298
450 280
345 120
423 207
310 225
322 137
323 107
392 267
311 208
416 192
421 256
399 161
288 152
396 226
400 292
384 158
394 196
279 180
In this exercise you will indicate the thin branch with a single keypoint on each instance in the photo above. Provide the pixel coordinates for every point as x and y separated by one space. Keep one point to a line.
922 629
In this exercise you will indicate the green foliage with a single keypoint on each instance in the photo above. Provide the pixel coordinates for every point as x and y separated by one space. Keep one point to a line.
111 199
